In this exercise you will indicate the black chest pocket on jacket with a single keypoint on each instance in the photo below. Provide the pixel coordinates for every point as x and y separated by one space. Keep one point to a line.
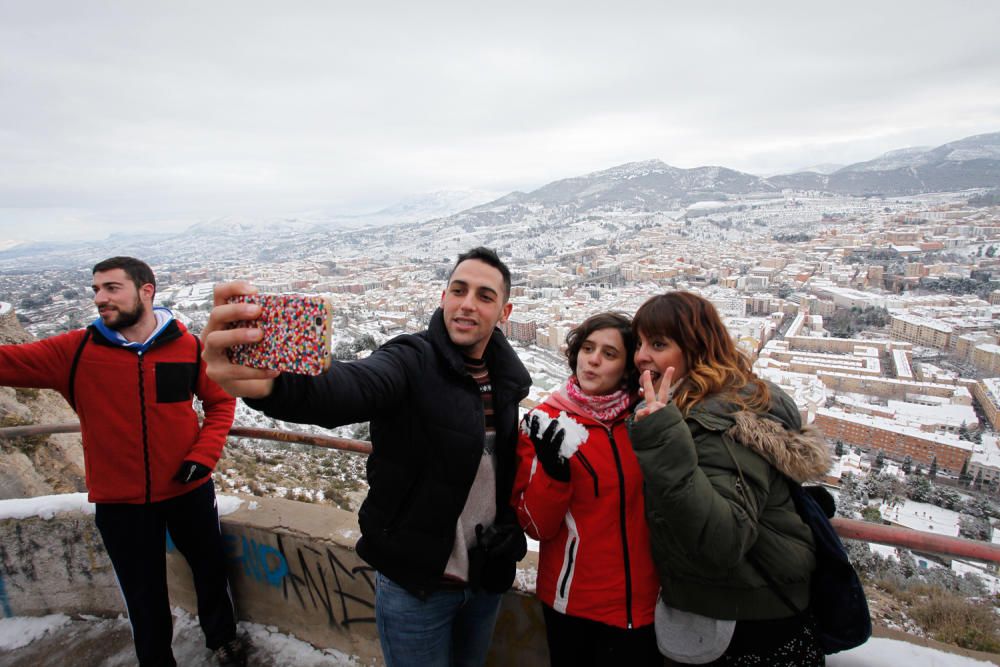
174 381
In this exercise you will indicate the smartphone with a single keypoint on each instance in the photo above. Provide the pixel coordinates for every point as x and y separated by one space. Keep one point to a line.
297 331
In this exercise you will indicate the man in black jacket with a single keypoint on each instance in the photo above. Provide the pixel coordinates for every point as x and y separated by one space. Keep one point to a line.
442 403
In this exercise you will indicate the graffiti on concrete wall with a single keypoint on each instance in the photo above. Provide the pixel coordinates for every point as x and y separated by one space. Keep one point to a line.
315 578
261 562
43 562
4 602
18 554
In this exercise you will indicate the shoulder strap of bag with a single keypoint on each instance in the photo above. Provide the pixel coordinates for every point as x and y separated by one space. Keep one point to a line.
741 483
197 364
71 393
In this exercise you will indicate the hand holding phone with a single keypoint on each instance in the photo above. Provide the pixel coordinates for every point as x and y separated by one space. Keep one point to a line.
296 334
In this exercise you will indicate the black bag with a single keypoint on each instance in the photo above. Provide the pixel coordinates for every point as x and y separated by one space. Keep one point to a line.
837 600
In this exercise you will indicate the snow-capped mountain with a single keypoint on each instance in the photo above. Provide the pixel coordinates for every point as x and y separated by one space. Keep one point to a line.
897 159
973 162
428 207
418 208
649 185
824 168
236 225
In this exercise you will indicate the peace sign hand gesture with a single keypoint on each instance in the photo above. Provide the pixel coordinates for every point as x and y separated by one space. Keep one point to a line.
655 399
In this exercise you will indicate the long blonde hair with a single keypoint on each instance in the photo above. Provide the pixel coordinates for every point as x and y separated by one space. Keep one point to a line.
714 364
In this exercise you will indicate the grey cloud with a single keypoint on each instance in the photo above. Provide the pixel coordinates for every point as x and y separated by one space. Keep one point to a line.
140 111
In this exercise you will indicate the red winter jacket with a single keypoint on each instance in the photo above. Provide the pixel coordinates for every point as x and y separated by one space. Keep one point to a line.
594 559
135 410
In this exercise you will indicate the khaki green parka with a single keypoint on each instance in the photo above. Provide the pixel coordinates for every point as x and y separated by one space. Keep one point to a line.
716 491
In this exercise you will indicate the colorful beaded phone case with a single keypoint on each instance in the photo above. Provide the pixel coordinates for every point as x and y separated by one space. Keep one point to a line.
297 331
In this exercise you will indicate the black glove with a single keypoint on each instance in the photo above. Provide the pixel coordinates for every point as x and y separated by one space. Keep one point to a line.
493 560
191 471
547 448
504 542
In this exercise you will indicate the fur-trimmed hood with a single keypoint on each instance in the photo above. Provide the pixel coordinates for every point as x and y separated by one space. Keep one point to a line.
801 454
796 450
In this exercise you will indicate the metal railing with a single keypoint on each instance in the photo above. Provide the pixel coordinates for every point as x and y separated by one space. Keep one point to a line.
329 442
852 529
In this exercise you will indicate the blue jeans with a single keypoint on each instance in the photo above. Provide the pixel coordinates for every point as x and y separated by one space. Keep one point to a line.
450 627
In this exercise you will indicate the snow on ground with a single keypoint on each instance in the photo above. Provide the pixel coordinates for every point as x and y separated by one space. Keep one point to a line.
880 652
990 580
229 504
883 550
45 507
922 516
107 642
29 642
21 631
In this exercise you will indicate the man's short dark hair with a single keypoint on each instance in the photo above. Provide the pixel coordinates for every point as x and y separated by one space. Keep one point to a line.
489 256
136 269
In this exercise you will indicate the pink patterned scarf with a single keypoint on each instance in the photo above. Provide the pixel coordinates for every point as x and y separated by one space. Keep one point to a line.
603 408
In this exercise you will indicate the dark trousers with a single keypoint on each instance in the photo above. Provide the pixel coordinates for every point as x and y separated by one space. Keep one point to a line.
575 641
135 538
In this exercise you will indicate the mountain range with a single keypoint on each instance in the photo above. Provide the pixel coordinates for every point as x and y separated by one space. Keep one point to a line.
973 162
651 185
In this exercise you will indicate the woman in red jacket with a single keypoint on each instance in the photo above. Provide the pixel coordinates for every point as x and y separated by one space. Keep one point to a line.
579 493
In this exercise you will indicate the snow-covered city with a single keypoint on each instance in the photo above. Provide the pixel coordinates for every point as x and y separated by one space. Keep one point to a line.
606 333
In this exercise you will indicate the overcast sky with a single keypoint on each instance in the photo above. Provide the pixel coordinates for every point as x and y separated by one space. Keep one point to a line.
156 115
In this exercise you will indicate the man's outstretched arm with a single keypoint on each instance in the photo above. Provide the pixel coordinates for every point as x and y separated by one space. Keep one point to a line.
43 364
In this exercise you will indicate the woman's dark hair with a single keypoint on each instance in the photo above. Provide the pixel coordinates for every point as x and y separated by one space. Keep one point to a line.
714 363
617 321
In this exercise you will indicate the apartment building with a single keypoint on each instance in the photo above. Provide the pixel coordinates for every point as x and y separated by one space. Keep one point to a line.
521 330
874 433
987 392
920 331
966 343
986 357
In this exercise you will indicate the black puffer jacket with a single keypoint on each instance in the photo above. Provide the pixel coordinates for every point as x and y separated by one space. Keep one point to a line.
427 432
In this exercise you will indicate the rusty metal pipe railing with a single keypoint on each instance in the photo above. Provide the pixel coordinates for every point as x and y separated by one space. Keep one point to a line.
917 540
852 529
346 444
38 429
329 442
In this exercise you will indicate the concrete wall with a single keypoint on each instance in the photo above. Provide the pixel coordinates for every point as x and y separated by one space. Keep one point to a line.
292 565
57 565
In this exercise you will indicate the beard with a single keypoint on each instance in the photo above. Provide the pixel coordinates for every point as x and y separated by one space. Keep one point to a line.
117 319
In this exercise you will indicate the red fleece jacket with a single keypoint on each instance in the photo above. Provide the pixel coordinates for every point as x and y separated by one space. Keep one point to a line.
135 410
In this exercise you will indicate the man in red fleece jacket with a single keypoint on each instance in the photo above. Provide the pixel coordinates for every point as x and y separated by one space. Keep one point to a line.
131 376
